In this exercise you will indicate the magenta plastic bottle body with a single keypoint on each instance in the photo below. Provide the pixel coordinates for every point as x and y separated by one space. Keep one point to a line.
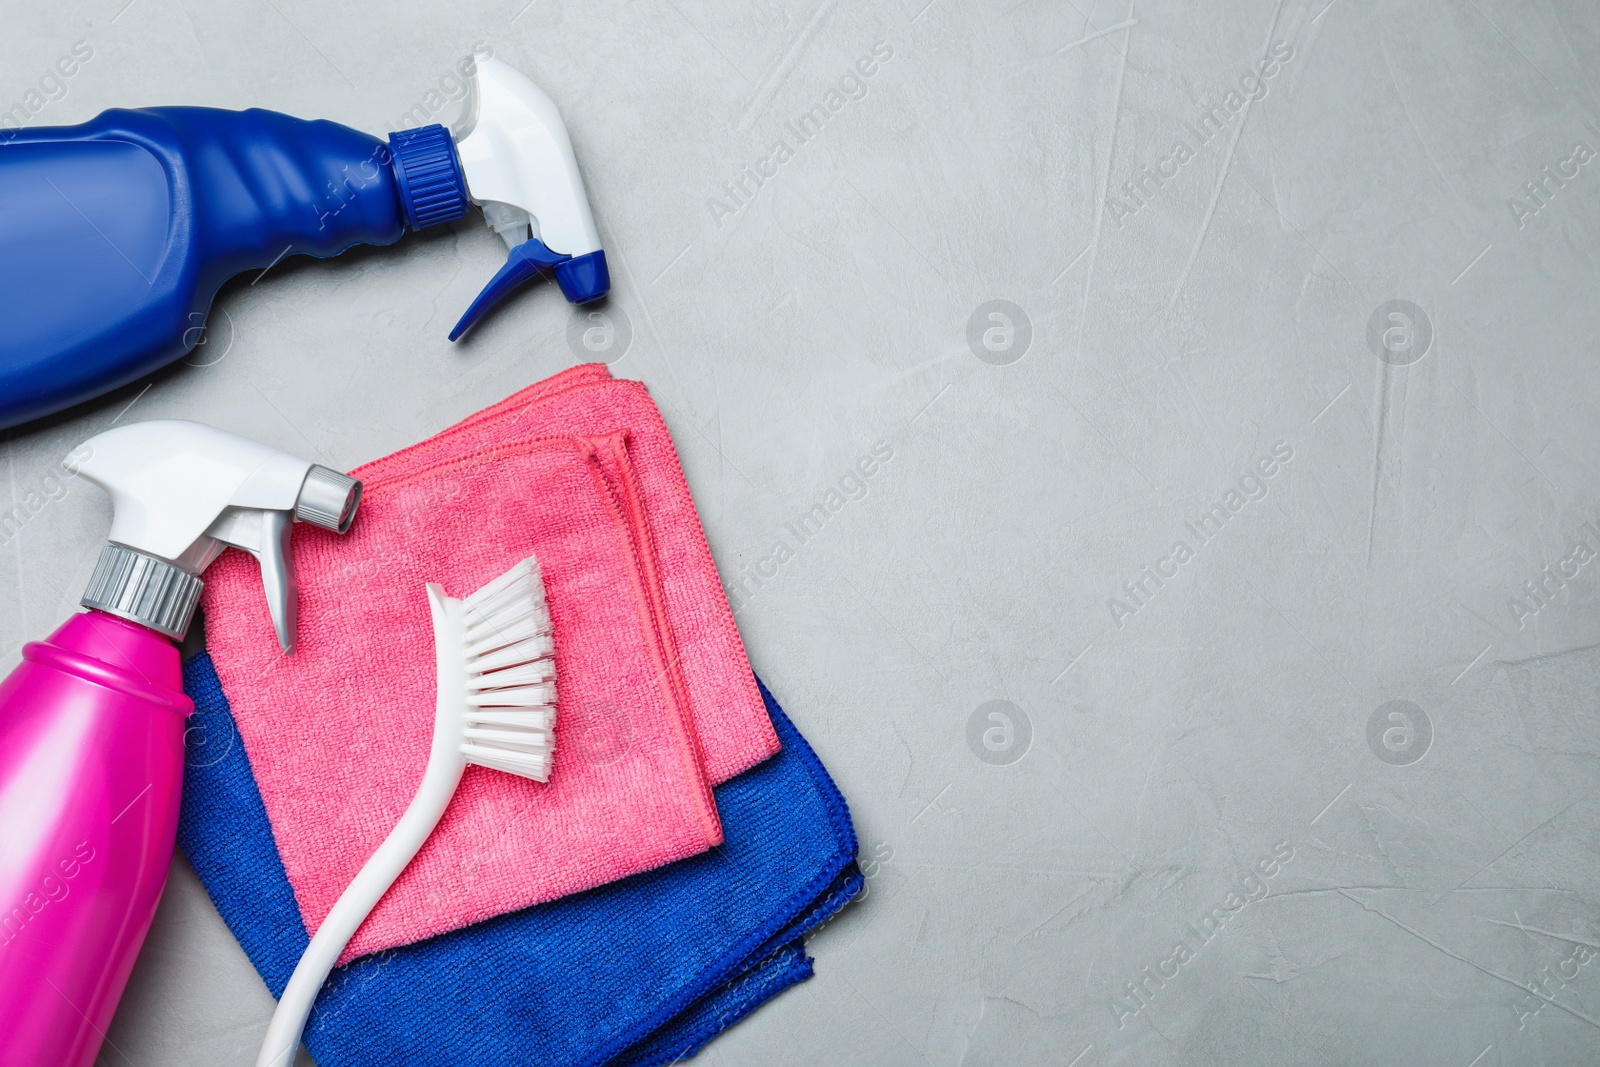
91 774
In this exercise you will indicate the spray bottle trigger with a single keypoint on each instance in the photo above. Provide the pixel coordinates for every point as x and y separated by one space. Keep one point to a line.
527 259
265 535
583 279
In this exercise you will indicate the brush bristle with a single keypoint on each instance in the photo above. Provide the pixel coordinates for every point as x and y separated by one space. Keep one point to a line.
510 702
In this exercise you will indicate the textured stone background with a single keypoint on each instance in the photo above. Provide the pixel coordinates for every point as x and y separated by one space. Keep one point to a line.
1159 339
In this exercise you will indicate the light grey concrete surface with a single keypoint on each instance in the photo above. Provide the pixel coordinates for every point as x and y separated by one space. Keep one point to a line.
1215 760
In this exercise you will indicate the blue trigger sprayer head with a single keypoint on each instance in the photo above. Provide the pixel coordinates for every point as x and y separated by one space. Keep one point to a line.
519 167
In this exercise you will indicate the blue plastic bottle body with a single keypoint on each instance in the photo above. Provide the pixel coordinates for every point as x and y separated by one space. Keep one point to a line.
116 235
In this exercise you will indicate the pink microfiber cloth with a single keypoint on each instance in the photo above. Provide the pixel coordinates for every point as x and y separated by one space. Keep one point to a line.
735 733
656 702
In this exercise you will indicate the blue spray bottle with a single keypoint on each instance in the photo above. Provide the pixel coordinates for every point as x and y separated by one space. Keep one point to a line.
116 235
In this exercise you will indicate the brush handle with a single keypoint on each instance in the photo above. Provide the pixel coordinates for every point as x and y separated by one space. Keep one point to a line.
355 904
446 765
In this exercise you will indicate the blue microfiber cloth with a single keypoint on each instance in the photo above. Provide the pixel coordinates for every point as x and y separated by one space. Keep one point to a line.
639 973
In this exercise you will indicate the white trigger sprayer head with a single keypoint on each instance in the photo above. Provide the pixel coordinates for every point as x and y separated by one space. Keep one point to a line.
521 170
181 492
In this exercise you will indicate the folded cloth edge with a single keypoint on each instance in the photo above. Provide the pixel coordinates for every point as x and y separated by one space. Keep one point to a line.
755 972
786 967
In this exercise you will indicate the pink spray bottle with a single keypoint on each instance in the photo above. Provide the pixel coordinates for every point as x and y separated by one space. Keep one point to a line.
92 722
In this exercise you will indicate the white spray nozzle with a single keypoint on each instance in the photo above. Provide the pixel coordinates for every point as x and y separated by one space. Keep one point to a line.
181 492
516 152
521 170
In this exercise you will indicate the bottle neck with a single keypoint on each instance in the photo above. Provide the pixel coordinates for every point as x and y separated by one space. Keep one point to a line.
427 170
142 589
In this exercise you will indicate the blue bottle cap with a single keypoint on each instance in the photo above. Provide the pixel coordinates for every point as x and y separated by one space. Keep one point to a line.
433 188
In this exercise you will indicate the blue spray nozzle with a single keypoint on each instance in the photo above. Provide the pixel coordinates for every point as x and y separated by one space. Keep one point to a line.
582 279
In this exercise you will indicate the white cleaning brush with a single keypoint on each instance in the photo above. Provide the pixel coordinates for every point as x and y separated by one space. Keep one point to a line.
496 709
